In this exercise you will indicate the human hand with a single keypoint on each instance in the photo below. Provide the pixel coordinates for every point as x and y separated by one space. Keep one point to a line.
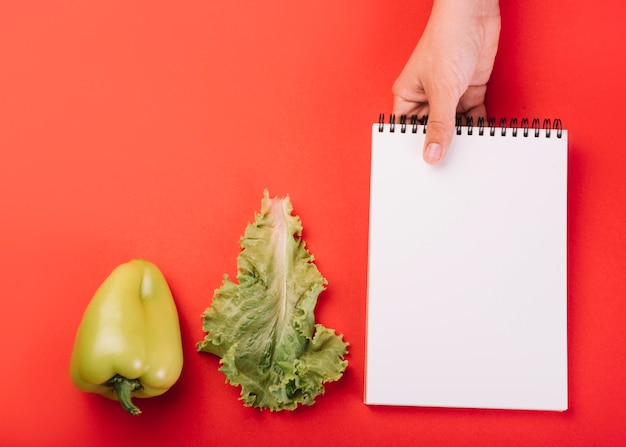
447 73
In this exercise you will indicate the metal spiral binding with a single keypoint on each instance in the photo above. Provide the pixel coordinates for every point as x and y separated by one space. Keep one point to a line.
415 122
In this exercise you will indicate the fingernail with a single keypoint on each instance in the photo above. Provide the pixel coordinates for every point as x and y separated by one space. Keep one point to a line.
433 153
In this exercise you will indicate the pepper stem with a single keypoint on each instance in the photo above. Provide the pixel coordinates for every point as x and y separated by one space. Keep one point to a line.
123 387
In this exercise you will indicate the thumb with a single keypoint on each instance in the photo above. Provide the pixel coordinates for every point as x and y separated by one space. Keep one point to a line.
439 129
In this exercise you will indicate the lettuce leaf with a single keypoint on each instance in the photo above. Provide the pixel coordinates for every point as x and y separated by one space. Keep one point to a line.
263 327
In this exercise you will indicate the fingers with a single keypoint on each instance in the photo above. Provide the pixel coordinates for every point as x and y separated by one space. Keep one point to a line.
439 107
440 127
408 98
442 110
441 104
438 138
439 130
472 102
403 107
476 113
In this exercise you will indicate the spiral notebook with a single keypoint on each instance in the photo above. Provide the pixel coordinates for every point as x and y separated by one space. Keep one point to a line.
467 275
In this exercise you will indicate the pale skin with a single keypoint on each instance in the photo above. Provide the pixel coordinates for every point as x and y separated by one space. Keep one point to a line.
448 71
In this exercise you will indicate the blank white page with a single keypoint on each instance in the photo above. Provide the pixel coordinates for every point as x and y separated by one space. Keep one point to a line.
467 276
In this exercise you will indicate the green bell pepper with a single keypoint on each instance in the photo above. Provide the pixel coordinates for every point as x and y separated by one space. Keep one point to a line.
128 342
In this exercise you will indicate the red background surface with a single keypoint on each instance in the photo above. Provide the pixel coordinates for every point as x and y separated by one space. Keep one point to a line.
150 129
